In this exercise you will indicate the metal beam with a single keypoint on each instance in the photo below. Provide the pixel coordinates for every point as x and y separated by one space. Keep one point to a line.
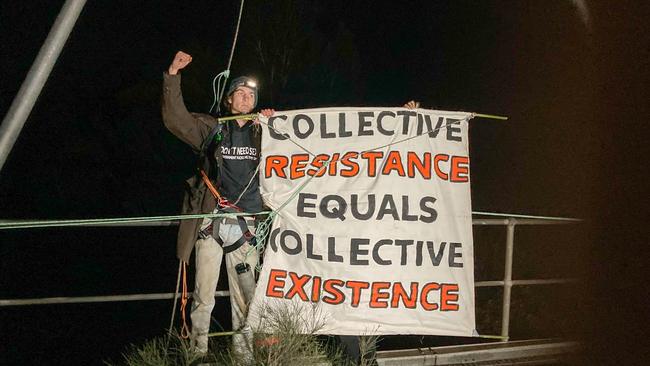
97 299
530 352
507 280
31 88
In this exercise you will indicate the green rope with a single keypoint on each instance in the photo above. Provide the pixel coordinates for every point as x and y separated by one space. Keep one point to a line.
239 116
490 116
27 224
262 231
220 334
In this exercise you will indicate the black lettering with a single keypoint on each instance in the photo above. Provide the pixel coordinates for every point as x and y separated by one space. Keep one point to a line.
436 257
342 131
364 122
451 130
310 248
272 243
405 122
296 125
375 253
405 210
453 254
433 214
272 130
426 119
331 251
380 127
355 251
404 244
354 207
283 242
337 212
302 205
436 130
388 207
323 128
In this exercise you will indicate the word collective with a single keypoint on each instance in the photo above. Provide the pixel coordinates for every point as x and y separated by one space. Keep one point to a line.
361 252
366 123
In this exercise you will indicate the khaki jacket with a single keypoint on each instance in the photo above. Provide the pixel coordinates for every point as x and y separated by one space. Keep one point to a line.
193 129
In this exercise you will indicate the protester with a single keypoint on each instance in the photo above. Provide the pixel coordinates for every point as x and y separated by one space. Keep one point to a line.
227 180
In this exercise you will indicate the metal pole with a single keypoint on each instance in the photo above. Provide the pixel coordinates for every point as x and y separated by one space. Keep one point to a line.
95 299
29 91
507 280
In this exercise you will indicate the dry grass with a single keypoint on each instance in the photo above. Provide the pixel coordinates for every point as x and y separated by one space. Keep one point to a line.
291 340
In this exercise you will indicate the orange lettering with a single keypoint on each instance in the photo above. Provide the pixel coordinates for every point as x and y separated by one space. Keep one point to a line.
459 169
423 167
298 163
372 157
356 287
333 162
318 163
276 163
377 297
298 286
399 293
353 165
276 280
431 286
337 295
394 162
446 296
315 289
437 160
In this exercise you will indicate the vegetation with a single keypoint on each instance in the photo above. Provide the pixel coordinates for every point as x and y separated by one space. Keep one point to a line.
291 340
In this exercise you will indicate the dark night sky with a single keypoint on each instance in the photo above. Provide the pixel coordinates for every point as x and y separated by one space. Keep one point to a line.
99 110
95 146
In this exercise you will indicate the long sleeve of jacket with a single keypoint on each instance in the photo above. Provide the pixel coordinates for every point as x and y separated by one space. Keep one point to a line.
191 128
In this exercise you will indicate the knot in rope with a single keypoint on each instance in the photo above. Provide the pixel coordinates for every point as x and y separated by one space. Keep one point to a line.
218 86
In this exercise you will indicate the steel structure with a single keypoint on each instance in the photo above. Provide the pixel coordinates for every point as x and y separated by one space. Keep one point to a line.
29 91
507 283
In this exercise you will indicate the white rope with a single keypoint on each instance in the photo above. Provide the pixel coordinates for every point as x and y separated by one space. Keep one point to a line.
234 42
218 92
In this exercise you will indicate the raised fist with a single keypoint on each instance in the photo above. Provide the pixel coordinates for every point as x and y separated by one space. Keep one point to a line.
181 59
411 104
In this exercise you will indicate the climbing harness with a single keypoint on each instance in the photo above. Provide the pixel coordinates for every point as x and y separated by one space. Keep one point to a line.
223 205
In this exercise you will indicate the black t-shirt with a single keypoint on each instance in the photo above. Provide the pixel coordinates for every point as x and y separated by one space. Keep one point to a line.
240 160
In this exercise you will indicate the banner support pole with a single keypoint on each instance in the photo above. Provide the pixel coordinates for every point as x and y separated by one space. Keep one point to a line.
491 116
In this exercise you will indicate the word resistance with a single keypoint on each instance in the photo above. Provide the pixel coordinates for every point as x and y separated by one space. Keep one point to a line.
409 164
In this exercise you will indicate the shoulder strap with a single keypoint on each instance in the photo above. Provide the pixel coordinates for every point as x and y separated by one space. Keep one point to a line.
211 137
203 162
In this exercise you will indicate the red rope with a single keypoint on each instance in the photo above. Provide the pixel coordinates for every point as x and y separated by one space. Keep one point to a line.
185 330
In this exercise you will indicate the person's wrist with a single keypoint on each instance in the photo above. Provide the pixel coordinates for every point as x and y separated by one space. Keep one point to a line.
172 71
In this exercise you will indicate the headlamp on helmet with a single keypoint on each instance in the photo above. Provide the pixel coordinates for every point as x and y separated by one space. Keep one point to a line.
243 81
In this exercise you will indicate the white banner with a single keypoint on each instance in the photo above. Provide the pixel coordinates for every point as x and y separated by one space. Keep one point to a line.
375 223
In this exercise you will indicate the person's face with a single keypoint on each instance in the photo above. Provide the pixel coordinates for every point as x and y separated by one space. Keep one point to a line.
242 100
